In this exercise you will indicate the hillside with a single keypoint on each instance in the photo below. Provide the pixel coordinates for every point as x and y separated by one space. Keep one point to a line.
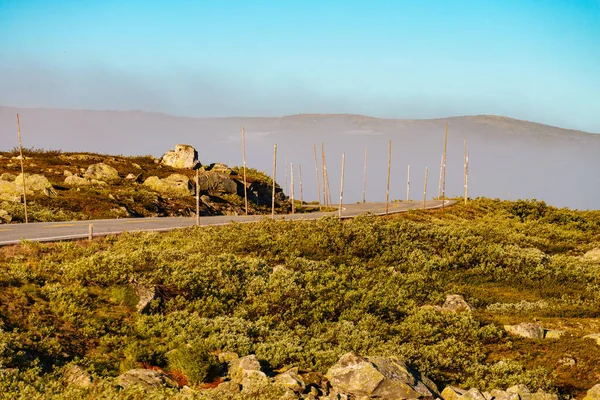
509 158
65 186
177 306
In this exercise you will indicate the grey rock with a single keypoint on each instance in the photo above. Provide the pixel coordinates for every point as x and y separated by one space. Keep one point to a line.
146 294
74 180
101 171
527 330
291 380
227 356
456 303
502 395
77 376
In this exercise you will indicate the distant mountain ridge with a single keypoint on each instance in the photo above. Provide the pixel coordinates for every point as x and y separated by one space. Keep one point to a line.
508 158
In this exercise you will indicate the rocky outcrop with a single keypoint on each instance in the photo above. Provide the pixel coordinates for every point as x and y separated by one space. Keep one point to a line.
173 185
184 156
529 330
378 377
146 379
102 172
456 303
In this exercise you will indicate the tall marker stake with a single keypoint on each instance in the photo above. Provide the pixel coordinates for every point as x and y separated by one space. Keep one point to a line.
365 180
465 171
292 188
317 176
425 188
342 185
444 181
408 185
323 171
197 197
387 192
300 173
244 156
274 176
22 168
441 173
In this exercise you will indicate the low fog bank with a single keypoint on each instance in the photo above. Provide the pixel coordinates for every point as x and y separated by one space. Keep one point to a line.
507 158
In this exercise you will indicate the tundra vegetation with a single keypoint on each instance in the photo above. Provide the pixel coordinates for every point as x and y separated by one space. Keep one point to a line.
302 294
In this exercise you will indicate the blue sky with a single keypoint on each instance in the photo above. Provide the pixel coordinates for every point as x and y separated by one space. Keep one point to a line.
529 59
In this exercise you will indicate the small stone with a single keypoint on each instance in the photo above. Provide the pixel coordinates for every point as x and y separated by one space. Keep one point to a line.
146 379
456 303
227 356
77 376
146 294
593 336
502 395
291 380
566 361
553 334
527 330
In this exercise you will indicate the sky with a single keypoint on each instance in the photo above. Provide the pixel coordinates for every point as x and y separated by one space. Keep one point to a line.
536 60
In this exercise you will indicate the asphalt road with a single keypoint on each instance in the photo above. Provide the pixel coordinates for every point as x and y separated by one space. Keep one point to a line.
56 231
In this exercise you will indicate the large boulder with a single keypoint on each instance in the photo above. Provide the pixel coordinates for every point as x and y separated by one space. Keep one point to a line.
101 172
217 182
529 330
10 192
173 185
379 377
184 156
147 379
34 183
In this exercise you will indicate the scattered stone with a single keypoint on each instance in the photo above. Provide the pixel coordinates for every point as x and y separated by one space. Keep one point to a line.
593 336
452 393
593 393
518 389
136 165
173 185
146 294
98 182
74 180
76 375
146 379
456 303
133 177
67 173
239 365
291 380
229 386
553 334
529 330
566 361
502 395
184 156
101 172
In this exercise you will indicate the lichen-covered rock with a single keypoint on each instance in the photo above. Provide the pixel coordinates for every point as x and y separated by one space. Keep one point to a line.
74 180
146 379
553 334
529 330
33 182
239 365
173 185
217 182
145 294
5 217
184 156
502 395
227 356
378 377
456 303
291 380
593 393
452 393
102 172
592 255
473 394
7 176
77 376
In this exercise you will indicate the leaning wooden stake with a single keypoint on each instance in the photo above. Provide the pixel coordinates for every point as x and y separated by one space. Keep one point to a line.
365 179
387 191
22 169
425 188
317 176
292 188
342 185
300 176
274 176
444 181
197 197
244 156
408 185
90 231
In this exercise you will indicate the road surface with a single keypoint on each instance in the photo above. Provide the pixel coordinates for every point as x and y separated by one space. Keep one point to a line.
56 231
